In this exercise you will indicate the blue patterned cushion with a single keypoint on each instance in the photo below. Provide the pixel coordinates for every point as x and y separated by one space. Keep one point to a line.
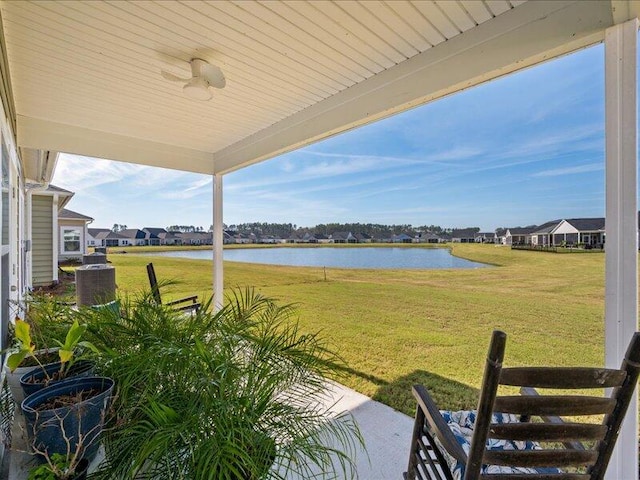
461 424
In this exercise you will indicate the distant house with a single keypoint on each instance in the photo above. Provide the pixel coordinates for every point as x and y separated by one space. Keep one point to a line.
542 235
227 237
321 238
267 239
294 238
486 237
428 237
92 236
134 236
152 235
206 238
402 238
343 237
519 235
574 231
314 238
240 238
170 238
382 237
363 238
108 238
464 235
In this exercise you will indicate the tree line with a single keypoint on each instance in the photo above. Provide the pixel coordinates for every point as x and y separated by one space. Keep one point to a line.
285 230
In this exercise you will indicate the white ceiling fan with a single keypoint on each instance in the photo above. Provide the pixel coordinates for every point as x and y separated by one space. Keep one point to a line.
203 76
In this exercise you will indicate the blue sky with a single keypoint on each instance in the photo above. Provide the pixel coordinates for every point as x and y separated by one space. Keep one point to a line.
523 149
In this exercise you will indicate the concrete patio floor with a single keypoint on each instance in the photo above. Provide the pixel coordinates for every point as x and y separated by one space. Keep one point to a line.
386 433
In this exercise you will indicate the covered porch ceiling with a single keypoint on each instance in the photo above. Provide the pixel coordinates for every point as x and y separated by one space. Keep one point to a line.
85 76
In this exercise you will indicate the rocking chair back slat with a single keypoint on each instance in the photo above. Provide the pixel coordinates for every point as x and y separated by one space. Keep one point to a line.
539 476
540 458
543 432
562 377
555 405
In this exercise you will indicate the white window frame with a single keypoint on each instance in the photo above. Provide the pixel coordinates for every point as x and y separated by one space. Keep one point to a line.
62 242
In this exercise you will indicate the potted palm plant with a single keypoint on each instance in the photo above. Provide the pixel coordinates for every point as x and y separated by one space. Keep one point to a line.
232 395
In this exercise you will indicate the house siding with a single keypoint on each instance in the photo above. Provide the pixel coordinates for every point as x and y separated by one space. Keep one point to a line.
42 240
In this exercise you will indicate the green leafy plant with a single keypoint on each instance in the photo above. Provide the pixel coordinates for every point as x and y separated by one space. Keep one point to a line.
72 347
68 352
41 322
58 467
24 347
232 395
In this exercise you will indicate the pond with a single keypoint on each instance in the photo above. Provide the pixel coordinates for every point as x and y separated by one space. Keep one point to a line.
369 257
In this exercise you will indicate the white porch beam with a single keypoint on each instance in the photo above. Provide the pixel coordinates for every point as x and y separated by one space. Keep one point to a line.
45 135
621 277
218 237
529 34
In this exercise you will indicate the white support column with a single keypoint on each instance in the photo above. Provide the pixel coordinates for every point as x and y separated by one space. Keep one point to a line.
621 280
218 276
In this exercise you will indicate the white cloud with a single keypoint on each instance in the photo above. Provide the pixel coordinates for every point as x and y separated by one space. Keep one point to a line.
556 172
190 189
78 173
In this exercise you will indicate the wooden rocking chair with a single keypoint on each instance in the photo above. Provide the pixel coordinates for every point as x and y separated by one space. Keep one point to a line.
184 304
501 441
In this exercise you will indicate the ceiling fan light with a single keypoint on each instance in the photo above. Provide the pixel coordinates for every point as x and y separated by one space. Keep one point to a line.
197 89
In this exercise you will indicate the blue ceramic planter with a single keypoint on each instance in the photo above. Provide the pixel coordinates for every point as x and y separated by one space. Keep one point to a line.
31 381
57 430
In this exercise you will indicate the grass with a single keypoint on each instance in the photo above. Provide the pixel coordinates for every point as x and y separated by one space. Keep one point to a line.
395 328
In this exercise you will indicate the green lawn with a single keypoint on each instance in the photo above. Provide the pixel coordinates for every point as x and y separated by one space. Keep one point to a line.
395 328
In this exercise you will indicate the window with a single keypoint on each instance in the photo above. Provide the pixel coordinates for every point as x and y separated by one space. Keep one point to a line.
71 240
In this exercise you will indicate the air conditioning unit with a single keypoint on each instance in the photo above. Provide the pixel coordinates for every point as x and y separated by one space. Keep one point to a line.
95 284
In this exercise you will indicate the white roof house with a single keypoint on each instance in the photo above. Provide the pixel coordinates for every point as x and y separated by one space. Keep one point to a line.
83 77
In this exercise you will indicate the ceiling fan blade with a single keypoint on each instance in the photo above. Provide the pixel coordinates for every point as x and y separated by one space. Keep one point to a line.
173 78
213 75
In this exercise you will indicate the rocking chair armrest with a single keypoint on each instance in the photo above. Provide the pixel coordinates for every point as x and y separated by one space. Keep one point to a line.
438 425
191 306
191 299
532 392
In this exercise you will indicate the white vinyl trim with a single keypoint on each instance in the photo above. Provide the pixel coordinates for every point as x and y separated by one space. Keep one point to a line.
621 270
54 237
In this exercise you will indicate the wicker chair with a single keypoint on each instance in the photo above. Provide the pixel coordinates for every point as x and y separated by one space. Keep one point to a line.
500 442
187 304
